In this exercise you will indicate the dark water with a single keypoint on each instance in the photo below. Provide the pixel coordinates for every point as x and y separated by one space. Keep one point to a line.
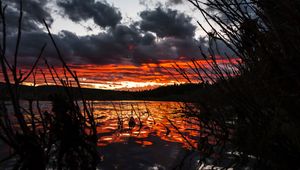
163 141
162 138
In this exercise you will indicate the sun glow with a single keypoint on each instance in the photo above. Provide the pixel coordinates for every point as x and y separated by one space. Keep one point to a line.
130 77
128 85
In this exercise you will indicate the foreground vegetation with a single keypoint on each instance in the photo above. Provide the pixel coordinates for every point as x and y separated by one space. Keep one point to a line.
249 110
250 115
64 137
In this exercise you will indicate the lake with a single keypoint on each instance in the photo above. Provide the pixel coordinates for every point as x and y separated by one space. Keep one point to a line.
160 135
161 142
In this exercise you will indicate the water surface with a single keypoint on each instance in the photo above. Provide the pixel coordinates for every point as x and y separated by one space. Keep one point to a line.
162 137
146 135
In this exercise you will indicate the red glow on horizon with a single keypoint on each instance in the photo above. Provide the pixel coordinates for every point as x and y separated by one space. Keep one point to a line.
130 77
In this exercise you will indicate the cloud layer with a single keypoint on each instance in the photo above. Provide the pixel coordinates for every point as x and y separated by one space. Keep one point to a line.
160 34
102 13
175 1
167 22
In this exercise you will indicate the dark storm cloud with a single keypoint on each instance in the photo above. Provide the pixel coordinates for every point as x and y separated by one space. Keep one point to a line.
120 44
161 34
33 14
104 48
167 22
102 13
30 46
148 39
174 2
12 16
128 43
166 49
36 10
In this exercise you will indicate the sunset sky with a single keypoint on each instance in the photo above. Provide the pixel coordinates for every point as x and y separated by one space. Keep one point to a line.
113 44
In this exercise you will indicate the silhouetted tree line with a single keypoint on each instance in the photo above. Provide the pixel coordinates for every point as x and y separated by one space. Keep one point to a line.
177 92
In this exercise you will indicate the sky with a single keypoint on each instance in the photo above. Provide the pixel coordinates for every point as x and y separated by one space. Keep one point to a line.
113 44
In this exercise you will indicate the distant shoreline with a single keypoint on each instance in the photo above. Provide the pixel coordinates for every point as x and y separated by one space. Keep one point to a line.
176 93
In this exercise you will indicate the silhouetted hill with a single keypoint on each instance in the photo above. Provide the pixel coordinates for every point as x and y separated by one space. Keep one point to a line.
182 92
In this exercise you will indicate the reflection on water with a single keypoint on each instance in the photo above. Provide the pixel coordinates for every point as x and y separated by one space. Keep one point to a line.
142 135
159 138
165 120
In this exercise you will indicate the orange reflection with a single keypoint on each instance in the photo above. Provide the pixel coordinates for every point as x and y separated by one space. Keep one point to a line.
151 118
165 120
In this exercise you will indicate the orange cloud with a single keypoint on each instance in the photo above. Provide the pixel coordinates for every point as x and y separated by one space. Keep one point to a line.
133 77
